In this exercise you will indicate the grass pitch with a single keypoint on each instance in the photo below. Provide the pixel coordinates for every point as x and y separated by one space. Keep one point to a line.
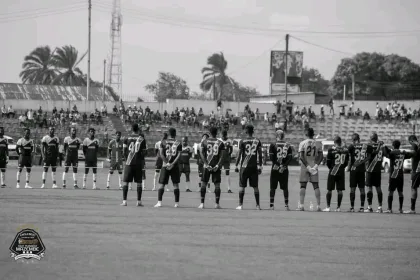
89 236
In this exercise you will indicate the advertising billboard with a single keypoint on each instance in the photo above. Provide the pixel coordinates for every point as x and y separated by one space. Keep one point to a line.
278 71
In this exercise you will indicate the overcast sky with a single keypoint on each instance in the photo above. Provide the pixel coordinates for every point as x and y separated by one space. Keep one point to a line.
149 46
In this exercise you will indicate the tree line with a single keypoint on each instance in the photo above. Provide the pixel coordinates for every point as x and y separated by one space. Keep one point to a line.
374 74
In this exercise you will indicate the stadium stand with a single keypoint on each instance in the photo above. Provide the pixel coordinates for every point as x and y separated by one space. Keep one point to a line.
54 93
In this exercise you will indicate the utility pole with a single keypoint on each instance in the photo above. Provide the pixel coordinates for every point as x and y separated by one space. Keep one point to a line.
89 37
285 68
104 79
344 93
352 86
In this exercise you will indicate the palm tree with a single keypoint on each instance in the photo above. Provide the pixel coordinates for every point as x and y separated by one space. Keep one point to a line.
214 75
66 61
38 68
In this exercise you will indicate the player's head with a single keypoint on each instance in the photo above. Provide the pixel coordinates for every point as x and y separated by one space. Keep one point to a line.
213 131
1 131
396 144
279 135
310 133
172 132
135 128
185 141
91 132
165 136
205 136
118 135
224 134
374 137
27 133
249 130
355 138
73 132
337 141
412 138
52 131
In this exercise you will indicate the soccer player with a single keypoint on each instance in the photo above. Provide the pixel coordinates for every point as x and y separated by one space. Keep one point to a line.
4 157
337 160
90 150
159 161
280 156
373 172
49 151
25 147
250 158
359 155
212 154
184 162
310 154
200 163
396 173
170 151
228 153
116 158
415 173
71 158
135 148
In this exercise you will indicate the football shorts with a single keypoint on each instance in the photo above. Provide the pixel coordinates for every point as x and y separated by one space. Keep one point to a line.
116 166
216 177
277 178
3 164
415 181
396 184
174 174
200 170
132 173
71 162
50 162
357 179
91 164
250 175
373 179
25 161
158 164
306 177
336 182
184 168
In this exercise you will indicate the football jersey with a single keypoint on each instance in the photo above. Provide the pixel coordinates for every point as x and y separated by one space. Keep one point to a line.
415 166
171 149
25 147
185 156
337 160
375 162
116 151
396 162
212 149
71 147
50 145
310 148
3 149
280 152
91 147
248 148
228 148
135 145
358 153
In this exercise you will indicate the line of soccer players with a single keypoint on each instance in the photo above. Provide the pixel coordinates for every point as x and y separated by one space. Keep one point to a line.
363 161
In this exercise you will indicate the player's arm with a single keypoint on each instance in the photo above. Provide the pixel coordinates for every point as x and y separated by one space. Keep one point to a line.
43 144
241 151
347 159
272 153
143 148
259 151
230 149
350 157
387 151
65 146
330 159
190 151
85 148
110 149
302 154
203 150
18 147
161 153
320 156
